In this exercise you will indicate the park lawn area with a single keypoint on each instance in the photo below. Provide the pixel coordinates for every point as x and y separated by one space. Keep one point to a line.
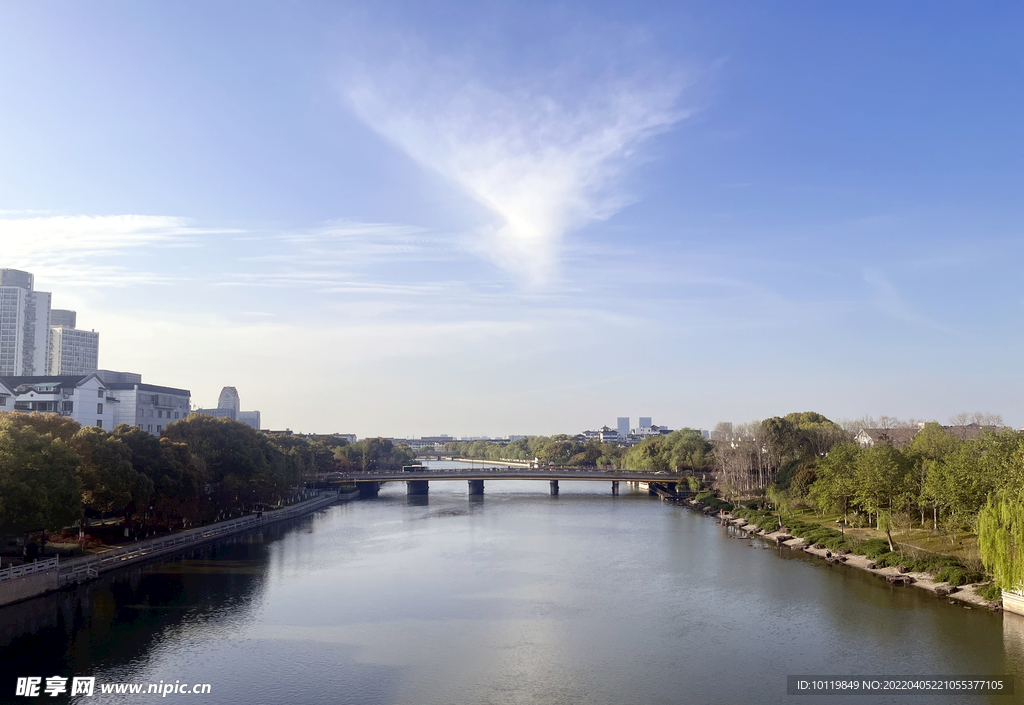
922 539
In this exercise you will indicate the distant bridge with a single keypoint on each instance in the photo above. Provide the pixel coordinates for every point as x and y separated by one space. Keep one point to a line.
417 482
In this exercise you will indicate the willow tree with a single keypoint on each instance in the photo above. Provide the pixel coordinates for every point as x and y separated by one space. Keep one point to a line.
1001 539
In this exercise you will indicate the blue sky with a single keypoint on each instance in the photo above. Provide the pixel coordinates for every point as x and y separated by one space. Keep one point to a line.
492 218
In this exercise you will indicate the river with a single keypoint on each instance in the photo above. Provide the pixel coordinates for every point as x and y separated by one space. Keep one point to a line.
515 597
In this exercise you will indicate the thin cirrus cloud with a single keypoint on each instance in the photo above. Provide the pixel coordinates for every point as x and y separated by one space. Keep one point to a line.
72 248
541 166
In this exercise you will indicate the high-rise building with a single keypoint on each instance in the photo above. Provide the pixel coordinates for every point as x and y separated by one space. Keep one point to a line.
72 351
63 317
622 426
229 406
229 400
645 422
24 325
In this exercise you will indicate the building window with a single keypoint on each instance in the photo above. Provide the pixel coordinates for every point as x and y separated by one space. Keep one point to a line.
3 401
158 429
99 408
99 423
99 392
175 414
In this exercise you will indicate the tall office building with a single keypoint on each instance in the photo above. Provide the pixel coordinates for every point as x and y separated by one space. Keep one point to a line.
622 426
72 351
229 400
229 406
645 422
24 325
62 317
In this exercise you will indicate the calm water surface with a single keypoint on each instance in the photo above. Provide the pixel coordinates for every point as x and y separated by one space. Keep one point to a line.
516 598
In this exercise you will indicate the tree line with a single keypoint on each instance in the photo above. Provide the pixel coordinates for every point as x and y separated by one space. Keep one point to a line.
54 472
967 477
679 451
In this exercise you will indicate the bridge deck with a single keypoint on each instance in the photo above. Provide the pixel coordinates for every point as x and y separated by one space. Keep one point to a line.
512 474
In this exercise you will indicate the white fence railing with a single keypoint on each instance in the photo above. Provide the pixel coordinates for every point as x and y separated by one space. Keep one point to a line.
20 571
88 566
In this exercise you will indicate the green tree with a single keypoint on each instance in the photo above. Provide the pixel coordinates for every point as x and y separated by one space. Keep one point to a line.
1001 539
53 425
39 484
110 482
836 484
882 480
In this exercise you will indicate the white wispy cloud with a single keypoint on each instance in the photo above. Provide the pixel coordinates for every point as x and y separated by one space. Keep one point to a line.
73 249
39 236
542 166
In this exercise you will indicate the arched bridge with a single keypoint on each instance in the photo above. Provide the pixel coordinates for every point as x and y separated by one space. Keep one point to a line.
418 482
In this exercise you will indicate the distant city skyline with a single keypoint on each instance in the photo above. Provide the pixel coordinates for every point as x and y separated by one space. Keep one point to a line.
522 218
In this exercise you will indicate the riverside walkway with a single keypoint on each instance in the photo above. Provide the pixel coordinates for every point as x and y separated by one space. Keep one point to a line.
24 582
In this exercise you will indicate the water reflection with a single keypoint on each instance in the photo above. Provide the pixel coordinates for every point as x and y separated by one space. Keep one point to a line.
584 597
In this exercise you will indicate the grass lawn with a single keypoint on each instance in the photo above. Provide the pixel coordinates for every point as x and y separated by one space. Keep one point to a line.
922 539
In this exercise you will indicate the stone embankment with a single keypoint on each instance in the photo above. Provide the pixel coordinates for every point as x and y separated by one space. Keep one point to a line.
895 575
30 581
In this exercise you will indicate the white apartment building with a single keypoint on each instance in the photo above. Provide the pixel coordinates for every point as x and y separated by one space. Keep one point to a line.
651 431
84 398
148 406
24 325
6 397
73 351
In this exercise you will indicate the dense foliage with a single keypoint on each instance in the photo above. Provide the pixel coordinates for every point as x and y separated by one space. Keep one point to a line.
54 472
950 480
679 451
1001 538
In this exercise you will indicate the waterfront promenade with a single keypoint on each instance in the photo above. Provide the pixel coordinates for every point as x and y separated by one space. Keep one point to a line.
24 582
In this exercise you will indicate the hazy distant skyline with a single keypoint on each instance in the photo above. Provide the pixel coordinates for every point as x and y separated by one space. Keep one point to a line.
497 218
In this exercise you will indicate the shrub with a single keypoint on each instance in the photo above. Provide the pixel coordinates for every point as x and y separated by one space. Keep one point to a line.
957 575
892 559
873 548
989 591
836 543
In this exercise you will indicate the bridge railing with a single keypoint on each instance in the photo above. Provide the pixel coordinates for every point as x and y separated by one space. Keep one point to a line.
20 571
87 566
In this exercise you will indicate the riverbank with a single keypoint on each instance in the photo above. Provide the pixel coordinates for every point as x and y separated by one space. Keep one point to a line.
964 595
26 582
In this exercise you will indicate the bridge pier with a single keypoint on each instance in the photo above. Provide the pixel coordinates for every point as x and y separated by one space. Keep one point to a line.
615 488
368 489
416 486
554 488
476 487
